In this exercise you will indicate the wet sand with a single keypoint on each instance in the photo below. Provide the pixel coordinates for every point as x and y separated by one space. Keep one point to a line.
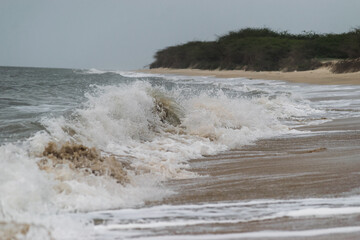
324 165
318 76
321 165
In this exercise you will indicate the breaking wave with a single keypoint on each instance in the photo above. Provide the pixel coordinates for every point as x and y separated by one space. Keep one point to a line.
118 147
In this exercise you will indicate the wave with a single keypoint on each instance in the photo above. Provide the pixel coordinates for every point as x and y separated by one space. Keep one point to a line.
118 147
128 74
81 158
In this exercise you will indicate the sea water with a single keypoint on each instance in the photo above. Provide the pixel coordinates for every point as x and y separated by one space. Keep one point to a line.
82 152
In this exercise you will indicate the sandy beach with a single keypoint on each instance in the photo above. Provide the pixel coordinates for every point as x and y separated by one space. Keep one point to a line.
318 76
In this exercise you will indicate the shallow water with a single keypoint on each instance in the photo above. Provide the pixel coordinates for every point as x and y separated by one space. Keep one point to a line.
146 128
231 220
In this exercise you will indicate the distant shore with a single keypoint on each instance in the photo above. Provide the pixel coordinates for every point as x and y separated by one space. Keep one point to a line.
318 76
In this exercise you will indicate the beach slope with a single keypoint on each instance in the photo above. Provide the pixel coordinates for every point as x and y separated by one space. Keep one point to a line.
318 76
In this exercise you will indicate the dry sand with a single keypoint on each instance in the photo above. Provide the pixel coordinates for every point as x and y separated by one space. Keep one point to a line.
318 76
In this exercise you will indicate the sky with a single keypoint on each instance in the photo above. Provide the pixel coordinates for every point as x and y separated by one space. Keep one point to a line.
125 34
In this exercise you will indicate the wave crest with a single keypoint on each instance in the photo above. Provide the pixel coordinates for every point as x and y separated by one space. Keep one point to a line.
167 108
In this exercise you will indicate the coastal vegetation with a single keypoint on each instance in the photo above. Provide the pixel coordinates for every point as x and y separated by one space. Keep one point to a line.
346 66
262 49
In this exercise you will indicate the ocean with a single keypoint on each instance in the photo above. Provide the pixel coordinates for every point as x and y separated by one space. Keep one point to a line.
95 154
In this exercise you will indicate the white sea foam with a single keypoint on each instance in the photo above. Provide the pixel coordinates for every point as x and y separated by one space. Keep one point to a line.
136 223
324 211
28 198
263 234
128 74
94 71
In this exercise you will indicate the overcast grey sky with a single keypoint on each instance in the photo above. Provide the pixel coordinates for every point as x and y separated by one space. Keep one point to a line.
125 34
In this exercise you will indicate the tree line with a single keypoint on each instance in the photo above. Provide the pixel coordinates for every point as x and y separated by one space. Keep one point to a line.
262 49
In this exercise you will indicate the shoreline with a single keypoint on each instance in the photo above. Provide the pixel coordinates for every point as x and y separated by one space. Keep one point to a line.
293 163
321 76
287 169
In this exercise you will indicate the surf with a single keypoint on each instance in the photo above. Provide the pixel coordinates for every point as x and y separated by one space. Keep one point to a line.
118 146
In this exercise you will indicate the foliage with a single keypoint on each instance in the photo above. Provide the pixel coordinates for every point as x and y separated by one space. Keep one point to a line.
261 50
